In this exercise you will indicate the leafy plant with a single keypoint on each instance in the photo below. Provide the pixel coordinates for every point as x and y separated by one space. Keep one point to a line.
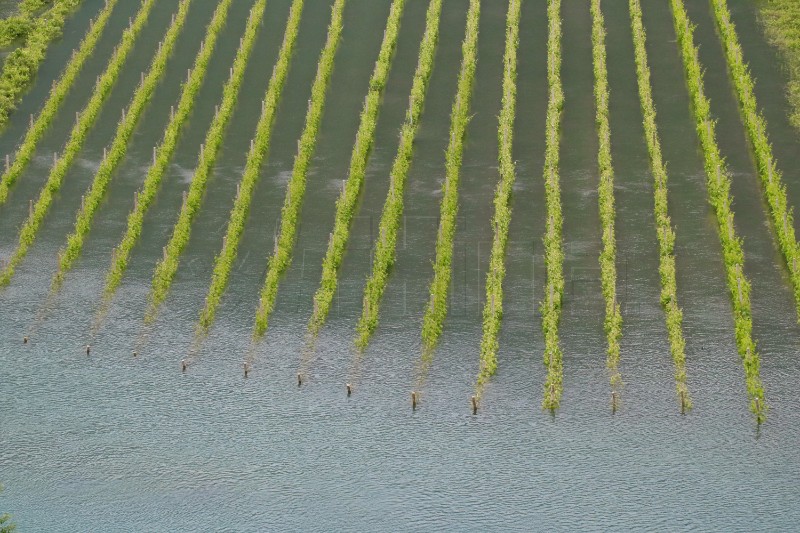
493 307
781 20
60 90
664 230
130 118
718 187
393 206
436 310
85 121
257 155
168 266
282 255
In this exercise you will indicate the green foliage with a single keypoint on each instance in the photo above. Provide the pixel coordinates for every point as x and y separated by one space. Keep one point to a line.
608 256
164 152
553 247
346 203
22 64
258 154
130 118
493 308
5 521
282 255
59 91
393 206
718 186
664 229
166 268
773 190
18 26
84 123
781 20
436 311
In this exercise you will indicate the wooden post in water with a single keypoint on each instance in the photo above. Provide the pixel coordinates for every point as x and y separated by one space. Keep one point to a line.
613 402
183 365
88 349
349 389
474 400
25 340
683 402
413 400
246 369
299 379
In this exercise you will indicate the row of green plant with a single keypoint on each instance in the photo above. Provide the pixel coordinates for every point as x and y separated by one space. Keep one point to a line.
664 229
90 202
774 190
436 310
22 64
553 248
605 189
252 170
6 526
718 185
493 307
57 95
167 267
393 206
19 25
85 120
781 21
348 200
164 152
282 255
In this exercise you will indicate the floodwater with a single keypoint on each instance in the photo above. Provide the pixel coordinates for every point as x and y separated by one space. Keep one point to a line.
115 443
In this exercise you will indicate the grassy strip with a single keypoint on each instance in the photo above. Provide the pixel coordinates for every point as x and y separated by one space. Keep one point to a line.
718 185
605 189
258 154
756 126
493 308
346 203
166 268
554 253
85 121
664 229
58 93
282 255
393 206
165 151
781 20
22 64
18 26
119 146
436 311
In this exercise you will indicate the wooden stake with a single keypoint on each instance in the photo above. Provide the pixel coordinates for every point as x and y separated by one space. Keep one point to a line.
349 389
474 400
413 400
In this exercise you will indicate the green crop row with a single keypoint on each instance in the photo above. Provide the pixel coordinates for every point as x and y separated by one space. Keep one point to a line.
756 126
59 91
18 26
346 203
282 255
605 189
781 20
119 146
664 229
168 266
554 253
22 64
436 310
84 123
164 152
252 170
393 206
718 185
493 308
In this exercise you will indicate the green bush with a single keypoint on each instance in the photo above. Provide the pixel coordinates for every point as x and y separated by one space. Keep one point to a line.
282 256
436 311
252 171
60 90
347 203
664 229
718 187
493 307
119 146
84 123
781 20
553 246
393 206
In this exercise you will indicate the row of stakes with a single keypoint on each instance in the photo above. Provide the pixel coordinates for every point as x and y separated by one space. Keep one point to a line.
414 394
